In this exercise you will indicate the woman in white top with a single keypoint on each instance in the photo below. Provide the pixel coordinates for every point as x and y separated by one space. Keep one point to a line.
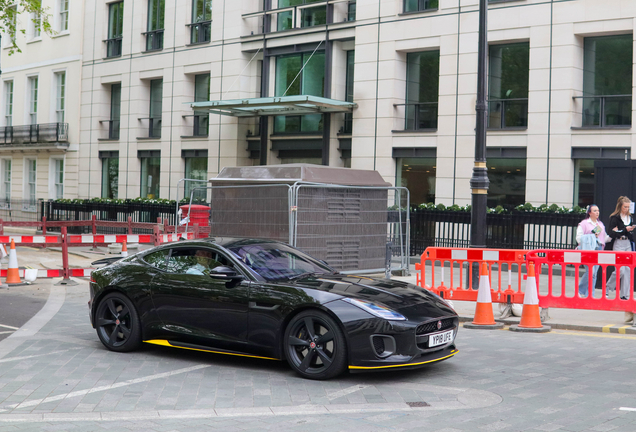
620 230
590 235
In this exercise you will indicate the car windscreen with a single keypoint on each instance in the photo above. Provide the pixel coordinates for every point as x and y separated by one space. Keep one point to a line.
277 261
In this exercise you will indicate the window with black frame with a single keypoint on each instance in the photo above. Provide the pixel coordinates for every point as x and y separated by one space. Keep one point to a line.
201 119
508 86
156 108
292 79
301 17
607 81
200 29
507 182
420 5
110 175
115 29
422 90
115 111
156 15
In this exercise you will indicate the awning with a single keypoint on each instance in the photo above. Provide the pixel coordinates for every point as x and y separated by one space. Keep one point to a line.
282 105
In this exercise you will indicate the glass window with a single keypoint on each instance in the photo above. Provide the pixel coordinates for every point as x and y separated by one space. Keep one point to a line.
31 178
36 21
8 103
348 124
351 11
310 16
150 175
58 178
63 15
115 29
6 179
291 81
201 21
33 100
115 111
158 259
194 261
508 86
607 81
422 90
583 182
420 5
156 101
110 177
507 182
154 36
418 175
60 79
196 168
201 94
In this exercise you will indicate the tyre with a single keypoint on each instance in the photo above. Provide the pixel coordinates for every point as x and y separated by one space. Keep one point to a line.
117 323
315 346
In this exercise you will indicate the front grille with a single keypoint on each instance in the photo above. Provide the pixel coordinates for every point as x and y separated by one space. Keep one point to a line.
378 345
431 326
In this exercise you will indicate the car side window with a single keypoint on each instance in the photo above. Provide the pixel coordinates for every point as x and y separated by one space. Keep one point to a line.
158 259
197 261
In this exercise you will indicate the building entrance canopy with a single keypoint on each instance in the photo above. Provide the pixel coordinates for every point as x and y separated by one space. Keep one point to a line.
280 105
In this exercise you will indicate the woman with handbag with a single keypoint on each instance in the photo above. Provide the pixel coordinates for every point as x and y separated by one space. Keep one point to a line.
590 235
620 230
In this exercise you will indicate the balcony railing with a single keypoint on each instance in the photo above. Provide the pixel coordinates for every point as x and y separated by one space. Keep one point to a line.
34 134
420 115
606 111
508 113
113 47
154 40
154 127
200 124
113 128
200 32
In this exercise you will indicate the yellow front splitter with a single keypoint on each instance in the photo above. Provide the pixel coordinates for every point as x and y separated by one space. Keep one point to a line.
404 365
163 342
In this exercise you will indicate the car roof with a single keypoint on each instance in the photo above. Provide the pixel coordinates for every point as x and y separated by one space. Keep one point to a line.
226 242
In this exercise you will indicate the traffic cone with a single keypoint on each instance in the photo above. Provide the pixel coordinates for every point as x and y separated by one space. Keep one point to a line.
484 318
13 274
531 316
124 249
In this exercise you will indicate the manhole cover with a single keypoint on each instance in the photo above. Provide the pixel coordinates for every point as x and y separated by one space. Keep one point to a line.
417 404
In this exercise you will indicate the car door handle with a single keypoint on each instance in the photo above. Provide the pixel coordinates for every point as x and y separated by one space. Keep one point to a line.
262 306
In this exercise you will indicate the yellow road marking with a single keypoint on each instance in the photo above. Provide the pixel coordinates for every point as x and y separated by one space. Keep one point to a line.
621 330
606 329
590 334
404 365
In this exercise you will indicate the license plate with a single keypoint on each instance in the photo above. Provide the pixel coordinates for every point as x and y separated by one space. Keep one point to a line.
440 338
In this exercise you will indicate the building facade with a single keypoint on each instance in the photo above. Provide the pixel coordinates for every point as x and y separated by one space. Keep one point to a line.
40 118
387 85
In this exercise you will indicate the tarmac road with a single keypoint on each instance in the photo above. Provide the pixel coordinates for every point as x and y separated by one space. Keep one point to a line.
18 305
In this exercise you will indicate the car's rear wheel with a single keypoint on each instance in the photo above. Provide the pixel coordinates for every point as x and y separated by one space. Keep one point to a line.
117 323
315 345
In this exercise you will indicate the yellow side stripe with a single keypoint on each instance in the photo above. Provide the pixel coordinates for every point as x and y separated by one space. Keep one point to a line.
621 330
606 329
163 342
404 365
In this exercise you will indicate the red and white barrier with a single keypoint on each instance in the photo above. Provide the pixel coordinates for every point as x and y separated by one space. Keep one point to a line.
54 273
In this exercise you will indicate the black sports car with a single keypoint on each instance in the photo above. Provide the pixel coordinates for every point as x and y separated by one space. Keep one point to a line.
266 299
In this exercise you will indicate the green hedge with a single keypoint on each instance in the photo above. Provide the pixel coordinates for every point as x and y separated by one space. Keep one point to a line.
525 208
158 201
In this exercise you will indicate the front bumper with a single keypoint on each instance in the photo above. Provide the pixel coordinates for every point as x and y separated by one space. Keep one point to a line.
414 363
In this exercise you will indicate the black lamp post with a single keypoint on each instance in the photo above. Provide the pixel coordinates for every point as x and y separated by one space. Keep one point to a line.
479 181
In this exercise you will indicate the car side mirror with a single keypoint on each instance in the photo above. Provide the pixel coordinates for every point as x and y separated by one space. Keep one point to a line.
225 273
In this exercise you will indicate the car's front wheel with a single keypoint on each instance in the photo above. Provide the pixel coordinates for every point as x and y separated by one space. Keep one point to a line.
315 345
117 323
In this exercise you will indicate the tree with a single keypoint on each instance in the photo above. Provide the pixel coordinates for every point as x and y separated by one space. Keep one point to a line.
9 26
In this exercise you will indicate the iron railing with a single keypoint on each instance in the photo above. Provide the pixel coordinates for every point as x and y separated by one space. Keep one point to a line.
507 113
606 111
154 127
113 128
113 47
34 134
517 230
419 115
200 124
200 32
154 40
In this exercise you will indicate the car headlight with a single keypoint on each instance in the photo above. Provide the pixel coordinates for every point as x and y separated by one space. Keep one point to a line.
376 309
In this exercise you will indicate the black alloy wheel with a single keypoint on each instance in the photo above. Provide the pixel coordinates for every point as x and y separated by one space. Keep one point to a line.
117 323
315 345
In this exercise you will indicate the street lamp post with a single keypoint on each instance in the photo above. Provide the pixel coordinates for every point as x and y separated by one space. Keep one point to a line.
479 181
